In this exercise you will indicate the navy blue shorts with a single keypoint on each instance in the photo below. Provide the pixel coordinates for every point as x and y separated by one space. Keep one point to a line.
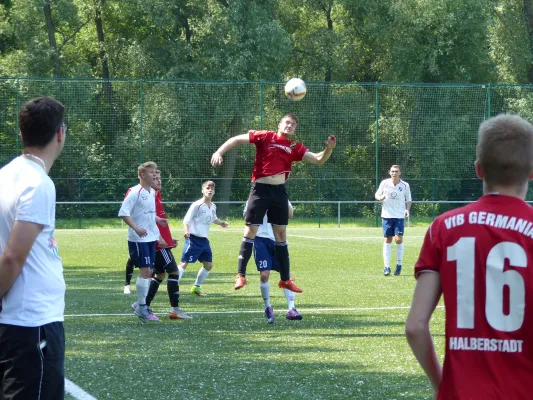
392 226
142 254
264 254
165 262
195 249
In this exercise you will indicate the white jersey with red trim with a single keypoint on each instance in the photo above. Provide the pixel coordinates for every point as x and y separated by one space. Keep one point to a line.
395 198
200 217
139 204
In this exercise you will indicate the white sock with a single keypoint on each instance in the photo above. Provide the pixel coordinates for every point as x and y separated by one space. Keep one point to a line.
265 292
181 270
386 254
200 278
143 285
399 253
289 295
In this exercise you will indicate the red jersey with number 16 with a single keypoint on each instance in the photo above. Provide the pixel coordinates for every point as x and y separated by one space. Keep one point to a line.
484 254
164 231
274 154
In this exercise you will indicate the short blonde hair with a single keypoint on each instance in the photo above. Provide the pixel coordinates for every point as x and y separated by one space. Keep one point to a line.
504 150
208 183
144 166
396 166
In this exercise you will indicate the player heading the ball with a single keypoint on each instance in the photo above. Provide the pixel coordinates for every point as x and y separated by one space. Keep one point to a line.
274 154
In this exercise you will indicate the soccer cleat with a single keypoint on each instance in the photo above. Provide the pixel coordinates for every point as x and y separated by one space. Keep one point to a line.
134 306
293 314
197 290
127 289
398 270
269 314
145 315
178 313
289 284
386 271
240 282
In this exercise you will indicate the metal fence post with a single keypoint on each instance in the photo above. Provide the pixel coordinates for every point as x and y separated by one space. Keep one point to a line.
377 144
141 98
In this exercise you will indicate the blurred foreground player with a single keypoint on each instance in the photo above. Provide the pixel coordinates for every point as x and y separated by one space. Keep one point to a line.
480 257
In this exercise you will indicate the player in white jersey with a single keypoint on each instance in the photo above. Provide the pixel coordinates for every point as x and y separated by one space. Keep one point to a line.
265 260
202 213
138 212
32 288
395 197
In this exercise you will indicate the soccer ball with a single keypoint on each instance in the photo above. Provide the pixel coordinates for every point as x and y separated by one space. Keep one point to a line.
295 89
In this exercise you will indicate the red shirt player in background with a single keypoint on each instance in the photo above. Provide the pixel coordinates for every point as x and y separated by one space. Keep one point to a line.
480 257
274 155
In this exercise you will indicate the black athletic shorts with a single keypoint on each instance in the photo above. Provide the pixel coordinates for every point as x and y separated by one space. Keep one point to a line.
32 362
164 262
271 200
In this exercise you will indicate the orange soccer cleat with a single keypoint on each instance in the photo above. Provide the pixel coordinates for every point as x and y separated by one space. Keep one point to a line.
240 282
289 284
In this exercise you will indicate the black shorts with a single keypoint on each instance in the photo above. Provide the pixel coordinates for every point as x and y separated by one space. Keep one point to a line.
32 362
165 262
271 200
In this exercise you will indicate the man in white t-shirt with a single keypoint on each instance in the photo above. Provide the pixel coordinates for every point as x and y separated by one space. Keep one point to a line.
201 214
138 212
32 287
395 196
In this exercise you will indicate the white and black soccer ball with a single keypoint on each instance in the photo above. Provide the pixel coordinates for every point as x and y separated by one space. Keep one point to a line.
295 89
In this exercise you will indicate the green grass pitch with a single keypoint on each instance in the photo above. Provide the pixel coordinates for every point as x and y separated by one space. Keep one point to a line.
349 345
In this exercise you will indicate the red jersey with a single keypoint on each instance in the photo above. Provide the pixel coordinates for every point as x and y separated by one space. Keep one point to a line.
484 254
274 154
164 231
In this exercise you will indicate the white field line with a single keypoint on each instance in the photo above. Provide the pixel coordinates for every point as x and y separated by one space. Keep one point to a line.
344 238
307 310
76 391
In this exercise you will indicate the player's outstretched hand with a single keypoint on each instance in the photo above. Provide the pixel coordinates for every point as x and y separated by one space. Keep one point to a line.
216 159
224 224
331 142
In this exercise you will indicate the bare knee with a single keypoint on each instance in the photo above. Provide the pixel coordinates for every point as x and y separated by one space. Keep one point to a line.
264 276
145 273
250 231
280 232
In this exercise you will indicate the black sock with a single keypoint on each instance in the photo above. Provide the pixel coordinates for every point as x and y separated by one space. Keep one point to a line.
154 287
129 271
282 257
247 246
173 289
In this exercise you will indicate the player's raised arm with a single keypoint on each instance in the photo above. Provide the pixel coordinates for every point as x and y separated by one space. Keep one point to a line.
323 156
216 158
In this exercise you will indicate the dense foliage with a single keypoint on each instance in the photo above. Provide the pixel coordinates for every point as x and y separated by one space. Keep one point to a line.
150 89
